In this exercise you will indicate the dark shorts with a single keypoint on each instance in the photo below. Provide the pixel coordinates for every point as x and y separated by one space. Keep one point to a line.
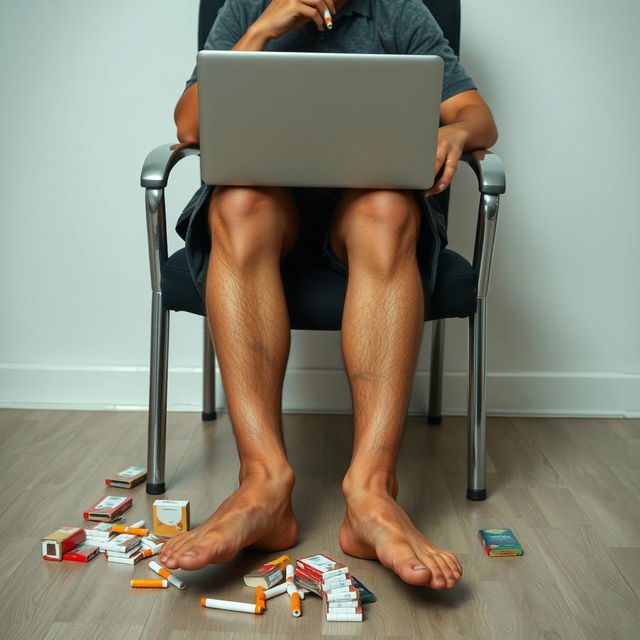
315 206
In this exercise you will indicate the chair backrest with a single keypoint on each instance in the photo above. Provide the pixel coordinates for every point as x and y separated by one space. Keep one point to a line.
446 13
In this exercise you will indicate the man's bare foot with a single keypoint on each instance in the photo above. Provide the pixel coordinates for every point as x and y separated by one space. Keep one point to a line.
376 527
258 514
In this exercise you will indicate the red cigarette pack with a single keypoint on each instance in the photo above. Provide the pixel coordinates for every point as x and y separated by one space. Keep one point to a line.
82 553
64 539
321 567
108 508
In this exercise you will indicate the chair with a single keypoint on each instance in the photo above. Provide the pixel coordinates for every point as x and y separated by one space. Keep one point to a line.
315 296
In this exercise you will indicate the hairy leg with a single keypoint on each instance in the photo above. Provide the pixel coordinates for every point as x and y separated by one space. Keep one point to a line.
251 230
376 232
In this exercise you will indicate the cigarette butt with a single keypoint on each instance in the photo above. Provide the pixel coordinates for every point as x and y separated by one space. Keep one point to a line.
290 571
149 584
296 608
147 553
327 19
261 601
276 591
230 605
123 528
165 573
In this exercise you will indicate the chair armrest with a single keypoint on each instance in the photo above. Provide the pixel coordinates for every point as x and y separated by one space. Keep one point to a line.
489 170
158 164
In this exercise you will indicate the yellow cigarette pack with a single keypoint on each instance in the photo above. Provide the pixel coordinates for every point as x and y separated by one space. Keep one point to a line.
170 517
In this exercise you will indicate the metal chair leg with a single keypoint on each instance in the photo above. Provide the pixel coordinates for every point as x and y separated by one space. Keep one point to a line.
434 415
208 377
476 409
157 440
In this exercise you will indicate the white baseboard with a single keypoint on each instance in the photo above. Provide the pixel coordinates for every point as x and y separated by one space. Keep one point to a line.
562 394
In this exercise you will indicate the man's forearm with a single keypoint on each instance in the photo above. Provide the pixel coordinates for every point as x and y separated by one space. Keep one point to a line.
475 123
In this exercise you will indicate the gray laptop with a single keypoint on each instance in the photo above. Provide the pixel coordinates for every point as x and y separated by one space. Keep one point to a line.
318 119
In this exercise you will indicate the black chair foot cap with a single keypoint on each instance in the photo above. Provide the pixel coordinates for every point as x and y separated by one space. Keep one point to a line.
155 489
434 419
209 416
476 494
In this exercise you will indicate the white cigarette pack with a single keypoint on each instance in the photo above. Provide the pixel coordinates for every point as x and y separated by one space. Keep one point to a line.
132 560
124 554
121 543
100 532
353 594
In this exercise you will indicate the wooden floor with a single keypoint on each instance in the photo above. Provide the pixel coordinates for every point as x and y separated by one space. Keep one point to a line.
567 487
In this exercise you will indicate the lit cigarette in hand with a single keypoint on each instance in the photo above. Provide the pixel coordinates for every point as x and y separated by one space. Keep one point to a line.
327 19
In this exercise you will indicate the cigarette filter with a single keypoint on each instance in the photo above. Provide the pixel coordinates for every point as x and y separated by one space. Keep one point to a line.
128 478
261 601
138 583
82 553
296 607
62 540
230 605
165 573
108 508
500 542
170 517
268 574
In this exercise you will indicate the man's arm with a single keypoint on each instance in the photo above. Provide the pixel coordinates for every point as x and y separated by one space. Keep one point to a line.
279 17
467 125
186 111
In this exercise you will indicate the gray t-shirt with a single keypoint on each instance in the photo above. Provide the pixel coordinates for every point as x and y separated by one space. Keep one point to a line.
361 26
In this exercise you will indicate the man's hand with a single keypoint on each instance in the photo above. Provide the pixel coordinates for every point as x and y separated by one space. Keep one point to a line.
451 143
282 16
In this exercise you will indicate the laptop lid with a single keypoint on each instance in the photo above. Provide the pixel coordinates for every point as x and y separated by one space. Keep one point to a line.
318 119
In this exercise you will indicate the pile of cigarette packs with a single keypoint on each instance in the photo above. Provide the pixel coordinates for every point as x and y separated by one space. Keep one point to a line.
340 592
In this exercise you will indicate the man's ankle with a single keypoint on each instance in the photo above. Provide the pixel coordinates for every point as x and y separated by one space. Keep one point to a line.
268 472
370 479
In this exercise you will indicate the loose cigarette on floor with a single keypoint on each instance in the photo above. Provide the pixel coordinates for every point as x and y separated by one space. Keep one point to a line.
276 591
165 573
149 584
136 531
230 605
296 607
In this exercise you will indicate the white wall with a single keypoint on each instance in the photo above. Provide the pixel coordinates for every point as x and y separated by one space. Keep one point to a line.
89 88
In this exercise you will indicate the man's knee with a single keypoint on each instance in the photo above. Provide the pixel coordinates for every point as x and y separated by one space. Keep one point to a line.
389 212
231 205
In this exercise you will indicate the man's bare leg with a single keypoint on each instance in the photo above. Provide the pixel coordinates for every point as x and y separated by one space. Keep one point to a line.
251 228
381 333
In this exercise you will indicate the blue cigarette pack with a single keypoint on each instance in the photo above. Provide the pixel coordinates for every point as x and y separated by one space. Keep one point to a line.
499 542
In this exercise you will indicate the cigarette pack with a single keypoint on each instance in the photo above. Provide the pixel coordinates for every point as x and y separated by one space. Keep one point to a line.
108 508
62 540
500 542
352 594
122 543
343 616
170 517
134 559
365 595
128 478
321 567
268 574
82 553
152 541
100 532
123 554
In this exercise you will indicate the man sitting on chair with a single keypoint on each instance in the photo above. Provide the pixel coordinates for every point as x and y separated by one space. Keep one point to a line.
388 239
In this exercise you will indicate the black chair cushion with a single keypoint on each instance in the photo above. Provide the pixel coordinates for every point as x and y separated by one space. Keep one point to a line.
315 295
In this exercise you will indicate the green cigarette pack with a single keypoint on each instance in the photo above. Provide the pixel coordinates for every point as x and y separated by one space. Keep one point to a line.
499 542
